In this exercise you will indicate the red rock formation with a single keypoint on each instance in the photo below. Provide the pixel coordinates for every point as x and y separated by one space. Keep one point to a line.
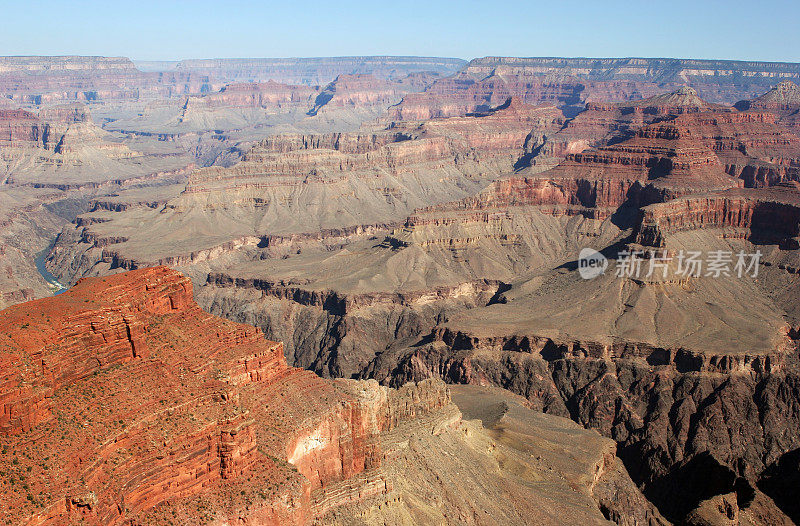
20 128
772 214
686 150
366 90
783 100
658 163
751 145
121 399
604 122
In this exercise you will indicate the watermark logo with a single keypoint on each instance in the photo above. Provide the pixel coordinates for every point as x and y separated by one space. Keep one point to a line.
591 263
683 264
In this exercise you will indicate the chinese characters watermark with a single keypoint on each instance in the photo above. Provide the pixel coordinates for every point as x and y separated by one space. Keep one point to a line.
684 264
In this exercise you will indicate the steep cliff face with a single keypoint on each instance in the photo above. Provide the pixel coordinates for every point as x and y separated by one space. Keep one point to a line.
19 128
764 216
143 419
24 129
752 145
685 149
685 436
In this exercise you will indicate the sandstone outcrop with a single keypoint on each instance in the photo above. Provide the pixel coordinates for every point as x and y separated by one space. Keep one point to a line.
110 376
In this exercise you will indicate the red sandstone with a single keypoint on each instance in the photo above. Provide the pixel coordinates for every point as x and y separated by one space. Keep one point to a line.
121 399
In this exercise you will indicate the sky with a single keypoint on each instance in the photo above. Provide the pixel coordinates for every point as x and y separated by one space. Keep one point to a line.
171 30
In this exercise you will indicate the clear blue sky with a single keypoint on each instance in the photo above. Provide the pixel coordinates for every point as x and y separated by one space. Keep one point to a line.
147 30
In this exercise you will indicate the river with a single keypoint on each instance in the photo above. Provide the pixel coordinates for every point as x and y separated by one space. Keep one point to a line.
55 285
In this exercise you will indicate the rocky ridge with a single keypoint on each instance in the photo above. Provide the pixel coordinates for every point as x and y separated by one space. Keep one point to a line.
151 427
783 100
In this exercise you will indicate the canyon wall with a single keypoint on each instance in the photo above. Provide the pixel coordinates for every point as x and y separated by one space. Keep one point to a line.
144 421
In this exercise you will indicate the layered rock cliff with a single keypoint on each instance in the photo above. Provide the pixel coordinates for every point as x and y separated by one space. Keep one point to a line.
317 71
131 418
783 100
121 401
716 80
568 82
45 80
294 184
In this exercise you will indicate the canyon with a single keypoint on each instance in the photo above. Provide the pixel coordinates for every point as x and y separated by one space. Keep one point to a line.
151 428
410 231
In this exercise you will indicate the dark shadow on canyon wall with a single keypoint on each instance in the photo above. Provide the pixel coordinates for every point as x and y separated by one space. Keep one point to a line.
781 481
686 485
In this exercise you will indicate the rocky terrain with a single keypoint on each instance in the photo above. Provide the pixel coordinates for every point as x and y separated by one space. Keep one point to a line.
316 71
51 164
47 80
245 110
41 80
76 128
570 82
484 288
112 414
405 224
783 100
344 183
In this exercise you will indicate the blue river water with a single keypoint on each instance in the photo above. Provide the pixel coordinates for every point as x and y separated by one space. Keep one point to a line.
58 288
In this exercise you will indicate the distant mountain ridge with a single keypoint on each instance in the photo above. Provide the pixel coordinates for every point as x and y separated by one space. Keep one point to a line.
646 69
45 64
